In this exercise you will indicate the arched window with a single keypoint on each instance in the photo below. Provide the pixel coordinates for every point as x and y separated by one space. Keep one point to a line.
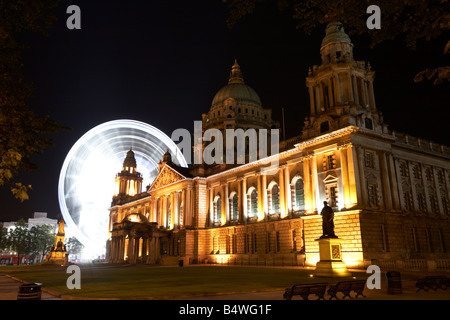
217 209
368 123
299 195
234 206
253 203
275 196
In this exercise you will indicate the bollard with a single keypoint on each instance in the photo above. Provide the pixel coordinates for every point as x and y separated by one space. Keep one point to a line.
393 282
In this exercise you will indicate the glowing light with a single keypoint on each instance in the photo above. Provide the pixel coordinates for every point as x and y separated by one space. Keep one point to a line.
86 181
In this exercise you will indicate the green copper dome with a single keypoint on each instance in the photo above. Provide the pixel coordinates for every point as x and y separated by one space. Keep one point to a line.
335 32
236 89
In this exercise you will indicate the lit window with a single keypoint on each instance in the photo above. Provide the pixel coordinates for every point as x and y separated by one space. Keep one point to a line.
275 194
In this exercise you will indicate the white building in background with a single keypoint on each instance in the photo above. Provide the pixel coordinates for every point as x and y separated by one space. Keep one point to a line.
38 219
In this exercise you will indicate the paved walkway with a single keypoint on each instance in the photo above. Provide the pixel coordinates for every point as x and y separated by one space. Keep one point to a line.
9 289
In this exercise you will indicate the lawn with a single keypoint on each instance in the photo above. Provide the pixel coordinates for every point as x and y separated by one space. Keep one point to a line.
131 282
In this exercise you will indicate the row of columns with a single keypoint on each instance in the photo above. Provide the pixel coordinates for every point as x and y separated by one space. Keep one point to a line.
173 210
134 248
244 199
434 184
360 94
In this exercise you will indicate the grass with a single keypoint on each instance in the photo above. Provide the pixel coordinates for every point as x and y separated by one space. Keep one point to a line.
131 282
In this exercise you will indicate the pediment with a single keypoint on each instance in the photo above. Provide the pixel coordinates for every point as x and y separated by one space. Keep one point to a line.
331 176
166 176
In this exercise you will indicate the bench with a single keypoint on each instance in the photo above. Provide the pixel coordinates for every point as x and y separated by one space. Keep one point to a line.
304 290
433 282
346 287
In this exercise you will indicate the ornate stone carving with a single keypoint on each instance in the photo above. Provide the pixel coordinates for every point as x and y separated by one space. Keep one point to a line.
166 177
336 252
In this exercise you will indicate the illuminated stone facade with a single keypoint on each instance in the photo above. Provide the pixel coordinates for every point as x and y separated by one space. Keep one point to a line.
390 191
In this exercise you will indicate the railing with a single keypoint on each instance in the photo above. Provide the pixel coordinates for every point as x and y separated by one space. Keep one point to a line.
420 143
415 264
443 264
385 264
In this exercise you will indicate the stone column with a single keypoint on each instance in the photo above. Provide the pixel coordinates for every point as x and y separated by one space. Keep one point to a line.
311 100
176 213
282 192
355 90
350 89
393 181
322 97
438 192
239 192
337 85
166 211
413 188
120 249
360 162
155 210
371 95
261 197
318 99
126 244
131 249
225 205
315 183
345 178
366 94
385 181
244 200
447 183
211 206
330 94
353 175
309 198
184 216
265 201
189 212
287 190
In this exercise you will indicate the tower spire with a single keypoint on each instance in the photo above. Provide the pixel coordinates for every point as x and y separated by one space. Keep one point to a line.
236 74
340 89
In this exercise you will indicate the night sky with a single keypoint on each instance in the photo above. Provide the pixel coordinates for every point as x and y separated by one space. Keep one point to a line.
162 62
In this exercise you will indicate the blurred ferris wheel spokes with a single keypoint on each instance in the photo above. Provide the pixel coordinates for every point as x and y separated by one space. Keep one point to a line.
86 181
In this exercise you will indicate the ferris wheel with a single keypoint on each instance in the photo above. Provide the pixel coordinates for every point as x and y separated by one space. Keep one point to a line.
86 181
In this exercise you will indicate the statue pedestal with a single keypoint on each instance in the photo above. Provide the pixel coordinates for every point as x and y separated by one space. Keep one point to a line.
57 257
330 264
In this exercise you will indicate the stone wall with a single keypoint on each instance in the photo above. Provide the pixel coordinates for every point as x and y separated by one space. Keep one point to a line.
347 227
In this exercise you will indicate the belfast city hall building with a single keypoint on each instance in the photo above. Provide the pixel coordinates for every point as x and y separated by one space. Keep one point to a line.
390 192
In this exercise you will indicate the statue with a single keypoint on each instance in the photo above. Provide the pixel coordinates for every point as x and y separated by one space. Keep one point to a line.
327 222
59 245
58 253
61 227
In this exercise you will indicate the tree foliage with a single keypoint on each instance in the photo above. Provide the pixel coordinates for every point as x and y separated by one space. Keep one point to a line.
406 20
23 133
74 246
4 242
19 240
42 238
